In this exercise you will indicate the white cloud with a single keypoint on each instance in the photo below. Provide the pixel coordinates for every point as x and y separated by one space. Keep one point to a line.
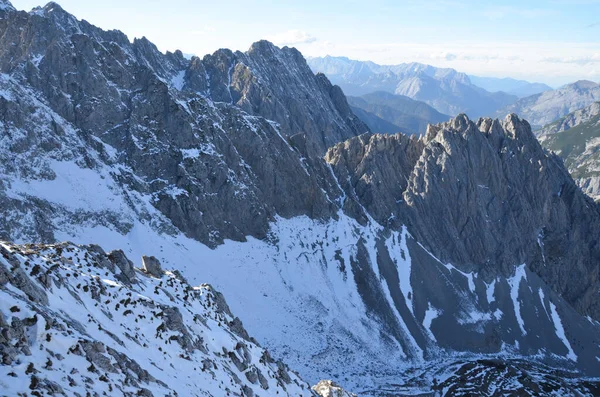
292 37
584 60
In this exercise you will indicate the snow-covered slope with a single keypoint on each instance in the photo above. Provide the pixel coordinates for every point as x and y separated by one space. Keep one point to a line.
76 320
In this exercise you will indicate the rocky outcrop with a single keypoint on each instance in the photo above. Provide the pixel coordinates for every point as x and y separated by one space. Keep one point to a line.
155 337
151 265
119 259
373 171
328 388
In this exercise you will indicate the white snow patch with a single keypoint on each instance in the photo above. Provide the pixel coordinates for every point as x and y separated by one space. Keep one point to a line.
560 332
190 153
468 276
396 246
514 283
74 187
430 314
541 294
489 291
178 80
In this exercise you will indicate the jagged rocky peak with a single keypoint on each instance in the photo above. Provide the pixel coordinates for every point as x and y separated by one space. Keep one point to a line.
512 126
6 5
222 145
278 84
374 169
266 48
484 196
73 323
504 201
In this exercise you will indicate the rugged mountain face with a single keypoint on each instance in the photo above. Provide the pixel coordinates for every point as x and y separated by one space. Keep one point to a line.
520 88
353 257
77 320
409 116
544 108
576 138
486 167
447 90
168 140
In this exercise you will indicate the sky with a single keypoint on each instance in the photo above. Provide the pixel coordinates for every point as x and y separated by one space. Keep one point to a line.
553 41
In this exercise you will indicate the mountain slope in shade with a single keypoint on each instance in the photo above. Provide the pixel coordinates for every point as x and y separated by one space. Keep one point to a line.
520 88
576 138
544 108
77 320
374 122
360 266
409 116
448 91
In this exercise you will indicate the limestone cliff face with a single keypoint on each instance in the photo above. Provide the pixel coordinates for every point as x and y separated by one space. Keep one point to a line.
483 195
221 143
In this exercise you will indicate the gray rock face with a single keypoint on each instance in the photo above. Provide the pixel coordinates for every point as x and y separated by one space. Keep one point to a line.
484 195
119 259
234 129
446 90
544 108
373 170
151 265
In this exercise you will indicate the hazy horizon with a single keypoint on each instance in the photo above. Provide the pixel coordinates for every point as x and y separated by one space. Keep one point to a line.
551 42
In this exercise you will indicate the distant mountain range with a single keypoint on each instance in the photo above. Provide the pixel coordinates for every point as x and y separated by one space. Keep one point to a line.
448 91
576 138
383 112
520 88
544 108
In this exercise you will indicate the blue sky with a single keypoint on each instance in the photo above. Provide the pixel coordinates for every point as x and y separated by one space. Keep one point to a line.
554 41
